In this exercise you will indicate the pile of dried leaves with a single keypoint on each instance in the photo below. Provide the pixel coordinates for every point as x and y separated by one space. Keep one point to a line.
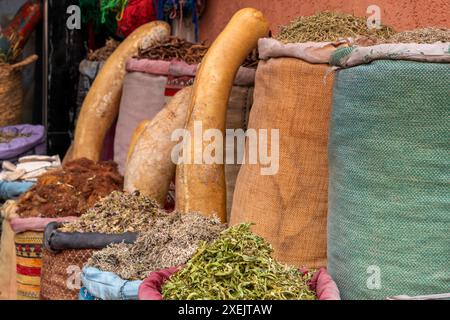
171 240
238 265
175 48
117 213
103 53
424 35
71 190
330 27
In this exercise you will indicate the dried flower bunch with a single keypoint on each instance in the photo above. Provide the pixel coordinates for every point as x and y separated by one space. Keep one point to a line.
170 241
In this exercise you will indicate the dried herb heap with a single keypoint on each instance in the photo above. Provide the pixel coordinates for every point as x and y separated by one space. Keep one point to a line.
175 48
6 137
103 53
238 265
170 241
424 35
119 212
71 190
329 26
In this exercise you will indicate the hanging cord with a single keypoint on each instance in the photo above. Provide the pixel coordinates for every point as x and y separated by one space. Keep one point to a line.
124 4
114 6
181 4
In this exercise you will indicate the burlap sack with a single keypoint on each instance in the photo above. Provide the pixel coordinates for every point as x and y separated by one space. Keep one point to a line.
239 105
142 98
60 276
290 207
8 290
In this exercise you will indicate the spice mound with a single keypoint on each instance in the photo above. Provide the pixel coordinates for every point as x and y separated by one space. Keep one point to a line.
71 190
424 35
175 48
329 27
170 241
119 212
103 53
238 265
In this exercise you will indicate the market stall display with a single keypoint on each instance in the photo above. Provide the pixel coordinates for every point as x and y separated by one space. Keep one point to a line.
201 187
388 156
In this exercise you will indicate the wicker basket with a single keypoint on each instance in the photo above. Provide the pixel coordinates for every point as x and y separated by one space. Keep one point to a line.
29 263
61 273
11 91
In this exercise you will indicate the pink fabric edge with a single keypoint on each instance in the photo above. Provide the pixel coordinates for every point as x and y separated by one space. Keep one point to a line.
19 225
178 68
321 283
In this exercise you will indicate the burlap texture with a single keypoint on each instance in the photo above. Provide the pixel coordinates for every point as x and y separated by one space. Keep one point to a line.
239 105
61 273
290 207
8 290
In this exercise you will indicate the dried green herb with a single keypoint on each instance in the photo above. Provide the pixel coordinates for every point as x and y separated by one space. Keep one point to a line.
329 26
424 35
170 241
119 212
238 265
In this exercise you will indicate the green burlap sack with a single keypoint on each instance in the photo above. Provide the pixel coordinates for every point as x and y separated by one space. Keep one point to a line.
389 189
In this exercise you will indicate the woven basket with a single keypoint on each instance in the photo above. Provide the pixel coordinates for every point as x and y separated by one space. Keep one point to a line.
11 91
60 279
29 263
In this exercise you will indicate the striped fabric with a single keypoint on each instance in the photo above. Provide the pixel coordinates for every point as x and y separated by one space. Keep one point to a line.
28 258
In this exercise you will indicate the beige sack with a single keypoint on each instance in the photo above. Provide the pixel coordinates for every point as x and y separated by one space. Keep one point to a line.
8 290
290 207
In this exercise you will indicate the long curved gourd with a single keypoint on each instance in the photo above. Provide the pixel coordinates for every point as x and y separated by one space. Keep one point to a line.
101 105
150 167
201 187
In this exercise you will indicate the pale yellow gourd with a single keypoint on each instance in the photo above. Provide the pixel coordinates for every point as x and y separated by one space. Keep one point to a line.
201 187
150 167
101 105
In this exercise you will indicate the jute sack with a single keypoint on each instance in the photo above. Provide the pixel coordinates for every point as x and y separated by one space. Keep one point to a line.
289 208
389 151
148 85
7 263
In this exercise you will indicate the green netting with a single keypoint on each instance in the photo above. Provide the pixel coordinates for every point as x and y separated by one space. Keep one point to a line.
389 193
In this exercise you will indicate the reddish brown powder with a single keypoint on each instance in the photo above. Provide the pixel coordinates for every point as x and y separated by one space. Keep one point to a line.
71 190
